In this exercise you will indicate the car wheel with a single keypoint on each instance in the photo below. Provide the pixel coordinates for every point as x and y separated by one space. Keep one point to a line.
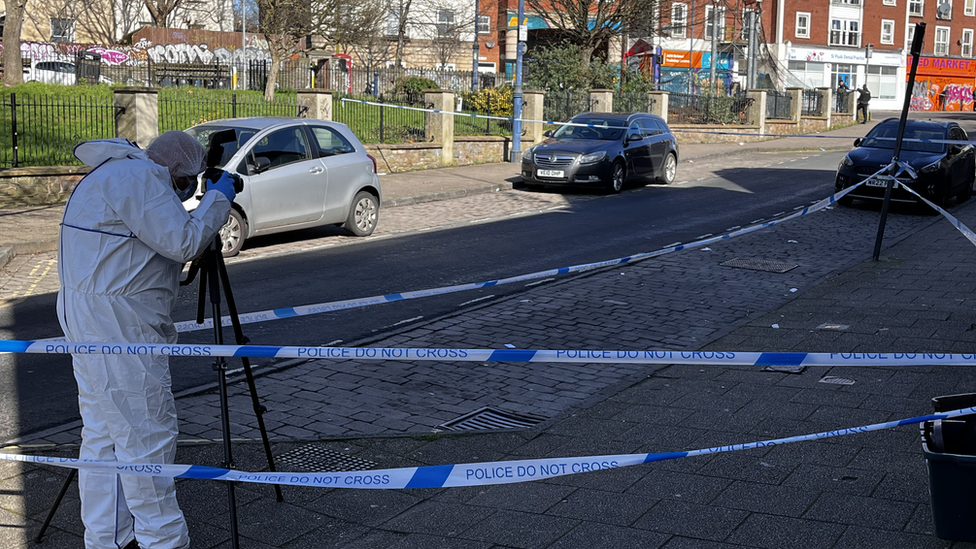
617 177
232 234
670 169
363 214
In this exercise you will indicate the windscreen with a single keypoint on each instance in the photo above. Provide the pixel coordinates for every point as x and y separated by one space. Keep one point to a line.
883 137
606 129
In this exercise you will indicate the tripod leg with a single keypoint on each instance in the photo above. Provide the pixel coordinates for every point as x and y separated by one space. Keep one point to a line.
248 374
57 503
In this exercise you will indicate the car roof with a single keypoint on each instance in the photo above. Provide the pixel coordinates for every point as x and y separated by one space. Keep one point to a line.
925 124
621 115
263 122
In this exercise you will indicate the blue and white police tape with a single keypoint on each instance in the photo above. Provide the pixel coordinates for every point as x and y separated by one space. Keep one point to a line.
454 475
576 356
332 306
607 127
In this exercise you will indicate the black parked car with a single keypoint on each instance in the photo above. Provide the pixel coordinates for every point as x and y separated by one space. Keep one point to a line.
611 149
943 170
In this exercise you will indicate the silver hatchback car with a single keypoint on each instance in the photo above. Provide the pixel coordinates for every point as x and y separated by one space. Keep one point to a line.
298 173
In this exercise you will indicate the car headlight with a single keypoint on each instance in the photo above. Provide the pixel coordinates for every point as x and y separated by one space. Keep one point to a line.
593 157
931 168
847 162
527 155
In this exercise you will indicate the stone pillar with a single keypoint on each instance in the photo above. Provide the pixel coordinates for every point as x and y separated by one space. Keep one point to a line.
136 114
757 111
438 127
315 103
851 99
657 103
533 101
601 100
796 105
827 106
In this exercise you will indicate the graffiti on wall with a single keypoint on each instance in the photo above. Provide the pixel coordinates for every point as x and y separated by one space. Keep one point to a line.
941 94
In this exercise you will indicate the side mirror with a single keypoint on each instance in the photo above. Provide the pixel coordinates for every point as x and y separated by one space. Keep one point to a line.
261 164
955 149
634 136
858 141
547 133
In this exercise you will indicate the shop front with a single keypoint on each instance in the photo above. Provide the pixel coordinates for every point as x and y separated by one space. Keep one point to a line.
943 84
689 72
819 68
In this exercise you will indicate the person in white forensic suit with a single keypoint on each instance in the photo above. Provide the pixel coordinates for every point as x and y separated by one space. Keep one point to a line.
124 239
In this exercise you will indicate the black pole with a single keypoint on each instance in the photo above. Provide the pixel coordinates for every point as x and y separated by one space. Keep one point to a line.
57 502
13 121
915 52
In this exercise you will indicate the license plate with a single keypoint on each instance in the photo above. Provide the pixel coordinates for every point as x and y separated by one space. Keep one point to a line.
550 173
880 181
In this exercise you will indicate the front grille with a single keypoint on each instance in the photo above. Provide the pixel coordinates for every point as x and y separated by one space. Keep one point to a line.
554 160
866 170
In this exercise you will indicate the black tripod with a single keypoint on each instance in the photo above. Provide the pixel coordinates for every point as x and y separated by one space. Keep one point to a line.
213 273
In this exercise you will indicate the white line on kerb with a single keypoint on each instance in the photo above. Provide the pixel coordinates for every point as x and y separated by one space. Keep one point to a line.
474 301
671 245
408 320
704 236
537 282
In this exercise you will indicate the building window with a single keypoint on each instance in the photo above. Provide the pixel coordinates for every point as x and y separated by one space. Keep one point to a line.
887 31
883 81
710 22
970 8
941 41
802 24
679 18
890 3
847 2
392 24
62 30
943 10
909 37
844 32
915 7
445 23
484 24
966 43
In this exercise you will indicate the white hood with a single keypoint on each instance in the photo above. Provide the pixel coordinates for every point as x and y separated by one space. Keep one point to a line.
95 153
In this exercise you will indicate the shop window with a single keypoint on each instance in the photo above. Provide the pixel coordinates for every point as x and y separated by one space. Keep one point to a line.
884 80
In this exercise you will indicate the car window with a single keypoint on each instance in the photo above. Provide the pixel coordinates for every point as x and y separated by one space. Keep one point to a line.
221 142
46 66
957 134
883 137
635 127
66 68
330 142
650 126
283 147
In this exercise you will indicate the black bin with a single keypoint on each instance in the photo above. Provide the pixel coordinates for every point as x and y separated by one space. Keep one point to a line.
949 446
88 67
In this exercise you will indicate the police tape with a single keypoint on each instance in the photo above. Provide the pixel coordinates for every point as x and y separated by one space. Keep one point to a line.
452 475
457 114
437 354
332 306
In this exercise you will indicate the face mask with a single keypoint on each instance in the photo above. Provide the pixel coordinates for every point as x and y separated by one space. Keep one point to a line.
186 193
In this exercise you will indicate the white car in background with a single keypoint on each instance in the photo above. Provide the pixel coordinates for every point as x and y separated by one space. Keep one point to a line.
55 72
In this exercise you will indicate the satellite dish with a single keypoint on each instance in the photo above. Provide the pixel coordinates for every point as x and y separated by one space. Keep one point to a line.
490 44
944 10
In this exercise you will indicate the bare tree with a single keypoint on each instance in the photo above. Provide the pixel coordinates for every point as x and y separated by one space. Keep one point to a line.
590 23
160 10
285 23
446 26
400 12
14 22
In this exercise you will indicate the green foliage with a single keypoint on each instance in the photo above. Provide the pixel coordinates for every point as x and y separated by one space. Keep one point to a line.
561 67
413 85
492 101
47 90
636 82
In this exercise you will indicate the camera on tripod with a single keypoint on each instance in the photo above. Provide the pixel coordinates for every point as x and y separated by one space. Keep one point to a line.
213 174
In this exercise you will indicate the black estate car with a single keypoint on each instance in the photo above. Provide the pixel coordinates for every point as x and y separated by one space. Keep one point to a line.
608 150
943 170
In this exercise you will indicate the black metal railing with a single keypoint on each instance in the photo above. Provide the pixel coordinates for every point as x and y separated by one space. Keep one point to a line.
180 108
560 106
812 103
42 130
779 105
488 105
685 108
842 103
630 101
380 123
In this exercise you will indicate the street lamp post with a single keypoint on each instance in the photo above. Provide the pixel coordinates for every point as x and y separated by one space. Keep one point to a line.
516 156
474 51
868 50
243 63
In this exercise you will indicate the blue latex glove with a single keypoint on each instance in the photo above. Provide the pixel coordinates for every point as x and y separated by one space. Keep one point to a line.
225 185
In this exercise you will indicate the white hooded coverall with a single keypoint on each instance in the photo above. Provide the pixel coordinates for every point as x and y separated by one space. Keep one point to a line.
124 238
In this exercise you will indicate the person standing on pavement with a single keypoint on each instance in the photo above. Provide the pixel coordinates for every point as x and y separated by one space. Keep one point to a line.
124 238
863 98
842 91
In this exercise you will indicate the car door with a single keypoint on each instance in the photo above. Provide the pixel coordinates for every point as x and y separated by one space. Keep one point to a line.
636 151
657 143
287 185
345 168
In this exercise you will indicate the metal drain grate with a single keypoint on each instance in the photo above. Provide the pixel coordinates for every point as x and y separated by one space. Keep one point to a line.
491 418
314 457
837 380
760 265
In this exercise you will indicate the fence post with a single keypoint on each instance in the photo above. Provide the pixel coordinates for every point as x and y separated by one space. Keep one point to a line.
13 121
532 110
796 103
438 127
318 103
601 100
849 99
757 111
657 103
136 114
827 100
